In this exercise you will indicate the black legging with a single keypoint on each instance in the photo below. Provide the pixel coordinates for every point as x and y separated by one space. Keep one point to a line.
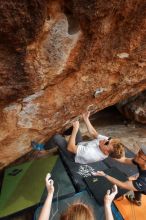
60 141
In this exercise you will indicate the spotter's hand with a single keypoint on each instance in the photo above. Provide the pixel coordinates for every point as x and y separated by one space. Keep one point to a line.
49 183
98 173
110 197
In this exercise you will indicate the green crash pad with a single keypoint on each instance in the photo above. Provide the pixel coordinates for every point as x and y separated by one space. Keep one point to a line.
23 185
62 183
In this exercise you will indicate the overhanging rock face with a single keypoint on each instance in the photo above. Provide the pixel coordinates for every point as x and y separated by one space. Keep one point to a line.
134 108
58 58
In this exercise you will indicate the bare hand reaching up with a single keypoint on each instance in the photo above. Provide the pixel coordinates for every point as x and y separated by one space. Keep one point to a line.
76 125
45 212
86 115
49 184
109 197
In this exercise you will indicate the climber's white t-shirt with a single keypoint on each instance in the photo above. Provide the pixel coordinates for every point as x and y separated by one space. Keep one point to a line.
89 151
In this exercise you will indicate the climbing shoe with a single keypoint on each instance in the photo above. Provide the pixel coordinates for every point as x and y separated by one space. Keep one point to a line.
133 200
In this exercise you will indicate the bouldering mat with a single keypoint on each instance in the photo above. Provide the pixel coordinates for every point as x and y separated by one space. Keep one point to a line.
23 185
62 183
130 211
78 171
98 185
60 206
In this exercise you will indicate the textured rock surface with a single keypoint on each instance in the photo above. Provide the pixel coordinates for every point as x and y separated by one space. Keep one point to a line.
134 108
54 56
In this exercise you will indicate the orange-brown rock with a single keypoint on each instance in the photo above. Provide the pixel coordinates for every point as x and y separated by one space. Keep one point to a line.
59 58
134 108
